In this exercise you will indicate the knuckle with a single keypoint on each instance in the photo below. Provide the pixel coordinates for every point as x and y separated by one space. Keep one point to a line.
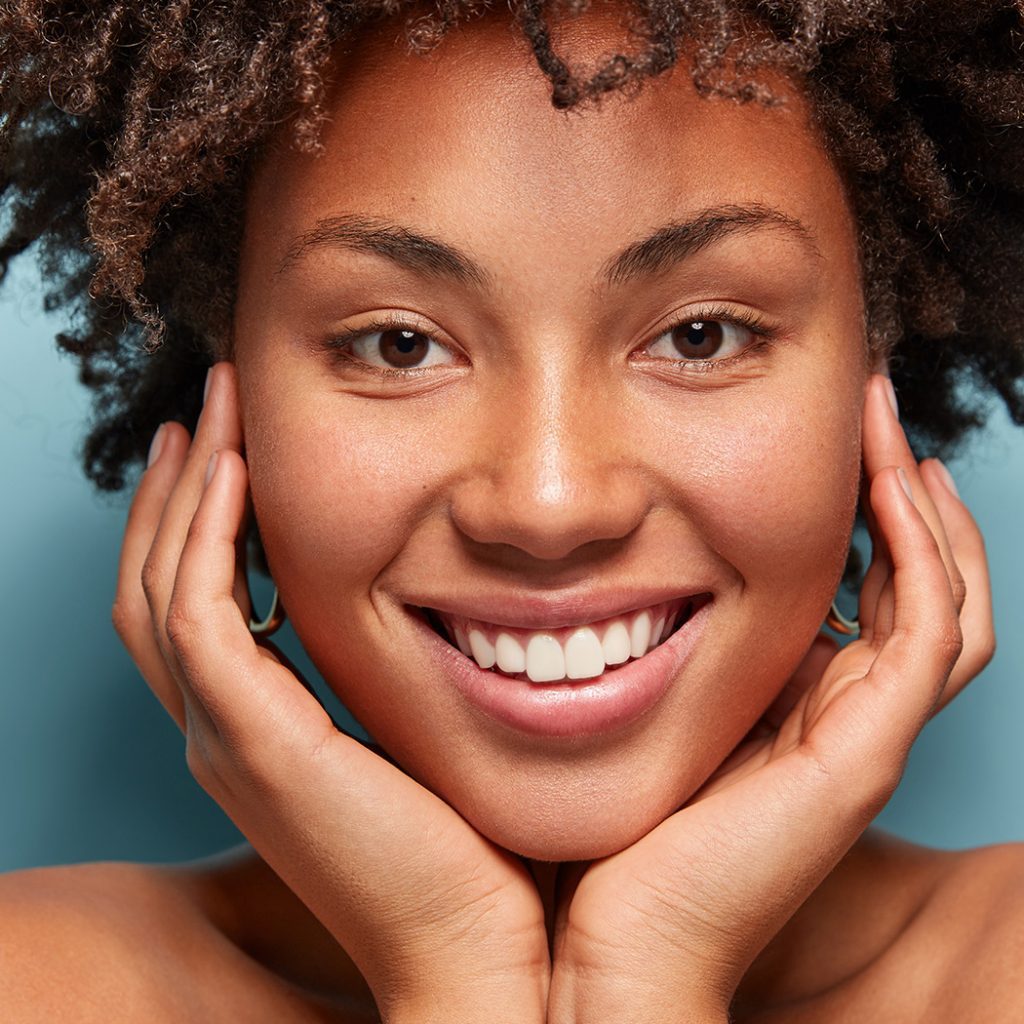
128 619
950 642
983 650
198 762
182 625
151 579
959 588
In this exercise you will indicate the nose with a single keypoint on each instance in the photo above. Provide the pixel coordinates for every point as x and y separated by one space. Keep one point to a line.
551 472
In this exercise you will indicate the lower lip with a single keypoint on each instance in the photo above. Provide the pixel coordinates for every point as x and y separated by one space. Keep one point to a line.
585 707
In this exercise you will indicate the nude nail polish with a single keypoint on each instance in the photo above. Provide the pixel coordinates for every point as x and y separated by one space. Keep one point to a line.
905 483
890 393
947 477
156 446
206 386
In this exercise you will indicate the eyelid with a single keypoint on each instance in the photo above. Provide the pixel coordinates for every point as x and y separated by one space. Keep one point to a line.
340 342
757 324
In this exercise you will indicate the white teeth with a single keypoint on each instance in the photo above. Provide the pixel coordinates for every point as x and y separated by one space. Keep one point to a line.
639 635
616 644
545 660
584 658
582 652
510 654
656 631
483 652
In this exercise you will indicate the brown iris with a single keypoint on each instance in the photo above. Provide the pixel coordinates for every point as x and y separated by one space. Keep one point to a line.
402 348
699 339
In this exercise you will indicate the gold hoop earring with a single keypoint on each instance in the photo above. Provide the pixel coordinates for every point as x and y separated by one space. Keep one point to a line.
274 619
837 621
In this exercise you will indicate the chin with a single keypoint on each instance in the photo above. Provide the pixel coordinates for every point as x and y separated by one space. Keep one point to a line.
570 834
589 840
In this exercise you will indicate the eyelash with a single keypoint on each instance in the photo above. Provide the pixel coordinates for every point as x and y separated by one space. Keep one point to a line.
339 345
763 332
764 335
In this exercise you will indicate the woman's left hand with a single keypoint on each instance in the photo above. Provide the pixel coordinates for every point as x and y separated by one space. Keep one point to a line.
665 930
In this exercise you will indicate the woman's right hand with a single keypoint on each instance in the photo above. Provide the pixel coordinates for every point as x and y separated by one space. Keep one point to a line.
442 923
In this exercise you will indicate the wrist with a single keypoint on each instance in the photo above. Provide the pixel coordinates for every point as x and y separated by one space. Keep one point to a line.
523 1002
579 998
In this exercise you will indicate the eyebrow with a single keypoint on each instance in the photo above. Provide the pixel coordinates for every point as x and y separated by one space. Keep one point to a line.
674 242
659 251
410 249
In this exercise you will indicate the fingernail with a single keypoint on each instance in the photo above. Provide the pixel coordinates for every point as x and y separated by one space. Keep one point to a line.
890 393
156 446
211 468
905 483
206 386
947 477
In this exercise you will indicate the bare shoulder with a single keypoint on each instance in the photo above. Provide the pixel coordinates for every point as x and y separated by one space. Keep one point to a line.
119 941
79 940
899 932
972 930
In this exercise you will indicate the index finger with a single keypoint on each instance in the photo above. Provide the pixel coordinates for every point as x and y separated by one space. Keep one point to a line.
885 444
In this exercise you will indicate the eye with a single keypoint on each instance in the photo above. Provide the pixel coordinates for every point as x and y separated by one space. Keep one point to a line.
396 347
702 340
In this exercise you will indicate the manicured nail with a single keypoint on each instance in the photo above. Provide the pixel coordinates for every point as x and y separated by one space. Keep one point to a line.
206 386
947 477
156 446
211 468
890 393
905 483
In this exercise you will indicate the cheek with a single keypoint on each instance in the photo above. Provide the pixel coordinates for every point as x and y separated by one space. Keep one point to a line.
336 502
786 494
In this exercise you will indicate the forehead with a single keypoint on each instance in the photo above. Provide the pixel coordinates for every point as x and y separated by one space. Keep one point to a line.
464 141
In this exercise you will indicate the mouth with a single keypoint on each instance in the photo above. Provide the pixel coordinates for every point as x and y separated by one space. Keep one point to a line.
579 652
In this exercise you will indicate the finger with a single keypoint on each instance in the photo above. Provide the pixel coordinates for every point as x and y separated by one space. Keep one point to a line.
249 695
885 444
968 545
807 675
219 427
878 572
131 612
777 728
879 719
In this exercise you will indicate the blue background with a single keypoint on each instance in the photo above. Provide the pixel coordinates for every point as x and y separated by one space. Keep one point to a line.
92 768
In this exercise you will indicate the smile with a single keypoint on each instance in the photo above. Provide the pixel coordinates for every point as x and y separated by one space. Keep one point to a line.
577 652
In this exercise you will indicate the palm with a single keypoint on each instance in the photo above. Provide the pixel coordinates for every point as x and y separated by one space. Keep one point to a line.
696 878
822 682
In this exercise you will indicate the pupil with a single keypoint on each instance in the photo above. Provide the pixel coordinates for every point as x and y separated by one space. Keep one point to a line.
699 339
403 349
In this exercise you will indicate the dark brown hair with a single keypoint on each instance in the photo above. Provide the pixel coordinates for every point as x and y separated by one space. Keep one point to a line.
127 130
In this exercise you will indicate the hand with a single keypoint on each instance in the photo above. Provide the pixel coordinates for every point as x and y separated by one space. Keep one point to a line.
442 923
664 930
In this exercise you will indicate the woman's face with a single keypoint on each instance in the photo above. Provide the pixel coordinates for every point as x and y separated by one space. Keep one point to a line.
621 368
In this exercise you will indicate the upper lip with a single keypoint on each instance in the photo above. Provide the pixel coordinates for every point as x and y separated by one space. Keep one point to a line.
519 610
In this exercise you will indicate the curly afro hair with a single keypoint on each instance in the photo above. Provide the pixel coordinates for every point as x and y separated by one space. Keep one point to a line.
127 130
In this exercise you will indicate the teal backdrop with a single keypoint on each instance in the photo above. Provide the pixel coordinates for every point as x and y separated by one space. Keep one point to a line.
92 768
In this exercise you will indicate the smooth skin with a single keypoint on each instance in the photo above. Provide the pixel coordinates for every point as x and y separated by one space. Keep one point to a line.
685 864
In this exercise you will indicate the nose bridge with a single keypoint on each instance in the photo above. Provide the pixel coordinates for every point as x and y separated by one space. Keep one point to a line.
553 469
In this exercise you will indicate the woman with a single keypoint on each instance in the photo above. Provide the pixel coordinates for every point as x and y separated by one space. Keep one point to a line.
553 416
